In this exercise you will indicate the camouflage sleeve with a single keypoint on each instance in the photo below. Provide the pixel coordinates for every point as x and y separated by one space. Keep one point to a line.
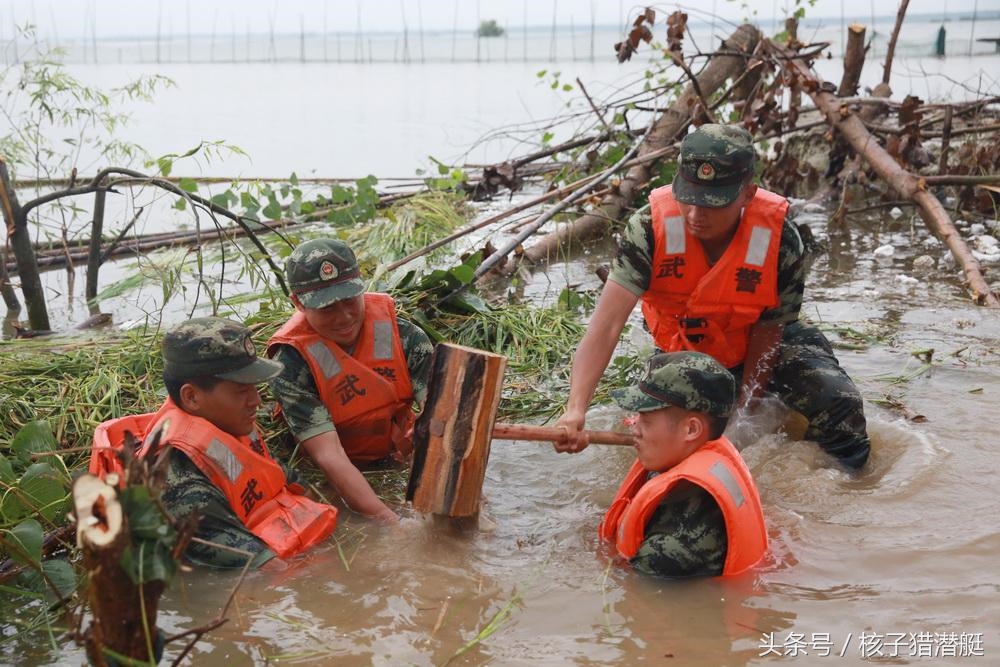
791 277
296 392
685 537
632 267
189 490
418 349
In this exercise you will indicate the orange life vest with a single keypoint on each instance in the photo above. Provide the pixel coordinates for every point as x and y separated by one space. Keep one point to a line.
693 306
716 467
368 392
242 468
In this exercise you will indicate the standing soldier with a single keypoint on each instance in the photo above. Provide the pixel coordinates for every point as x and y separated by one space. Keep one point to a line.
720 270
352 371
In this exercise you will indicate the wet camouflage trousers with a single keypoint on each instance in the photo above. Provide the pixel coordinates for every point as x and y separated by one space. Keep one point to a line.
808 378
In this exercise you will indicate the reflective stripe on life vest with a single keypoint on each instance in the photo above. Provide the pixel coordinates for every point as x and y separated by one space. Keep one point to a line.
716 467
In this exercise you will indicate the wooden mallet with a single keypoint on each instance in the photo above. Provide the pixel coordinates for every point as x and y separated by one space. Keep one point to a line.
451 438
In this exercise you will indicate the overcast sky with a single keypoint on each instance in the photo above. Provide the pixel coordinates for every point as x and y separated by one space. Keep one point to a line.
75 18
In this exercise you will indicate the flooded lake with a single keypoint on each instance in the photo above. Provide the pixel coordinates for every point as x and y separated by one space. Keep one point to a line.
895 564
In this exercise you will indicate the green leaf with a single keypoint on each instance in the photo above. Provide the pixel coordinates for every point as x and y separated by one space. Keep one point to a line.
541 73
463 273
293 179
547 137
272 210
165 165
62 575
148 561
180 204
567 87
7 475
26 542
145 520
33 437
41 489
188 184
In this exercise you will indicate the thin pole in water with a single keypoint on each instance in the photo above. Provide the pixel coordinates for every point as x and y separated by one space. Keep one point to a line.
972 30
593 28
454 31
420 29
159 25
552 40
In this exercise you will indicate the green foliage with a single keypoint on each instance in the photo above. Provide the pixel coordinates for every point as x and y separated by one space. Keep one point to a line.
148 557
55 119
33 488
489 28
447 179
409 226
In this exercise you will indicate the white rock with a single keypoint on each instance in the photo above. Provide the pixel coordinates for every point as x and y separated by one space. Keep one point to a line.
899 240
884 251
987 257
931 242
947 261
985 243
977 228
904 279
895 212
924 263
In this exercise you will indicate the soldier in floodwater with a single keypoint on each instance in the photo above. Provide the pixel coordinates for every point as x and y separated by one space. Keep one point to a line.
688 506
720 270
352 371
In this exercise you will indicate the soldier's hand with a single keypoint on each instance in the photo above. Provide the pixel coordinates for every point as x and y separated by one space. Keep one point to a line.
575 440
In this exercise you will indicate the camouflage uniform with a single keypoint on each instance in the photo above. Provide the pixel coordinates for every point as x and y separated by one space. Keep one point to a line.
321 272
189 490
296 389
806 376
685 537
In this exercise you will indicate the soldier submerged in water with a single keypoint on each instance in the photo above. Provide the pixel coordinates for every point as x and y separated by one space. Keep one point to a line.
688 506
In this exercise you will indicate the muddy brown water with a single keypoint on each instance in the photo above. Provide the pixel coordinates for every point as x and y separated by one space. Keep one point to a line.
897 564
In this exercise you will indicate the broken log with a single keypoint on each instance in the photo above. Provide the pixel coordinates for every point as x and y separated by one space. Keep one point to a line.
727 63
854 60
124 613
851 127
451 438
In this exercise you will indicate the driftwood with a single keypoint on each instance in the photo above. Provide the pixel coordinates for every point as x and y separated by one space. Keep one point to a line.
910 186
724 65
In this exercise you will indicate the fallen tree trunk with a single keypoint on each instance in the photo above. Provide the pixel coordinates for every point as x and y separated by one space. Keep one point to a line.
910 186
726 64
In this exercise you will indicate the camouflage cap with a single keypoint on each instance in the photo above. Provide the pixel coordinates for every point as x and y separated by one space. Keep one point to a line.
323 271
716 161
689 380
214 347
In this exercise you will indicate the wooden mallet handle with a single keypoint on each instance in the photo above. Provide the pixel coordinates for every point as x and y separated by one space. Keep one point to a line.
557 433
